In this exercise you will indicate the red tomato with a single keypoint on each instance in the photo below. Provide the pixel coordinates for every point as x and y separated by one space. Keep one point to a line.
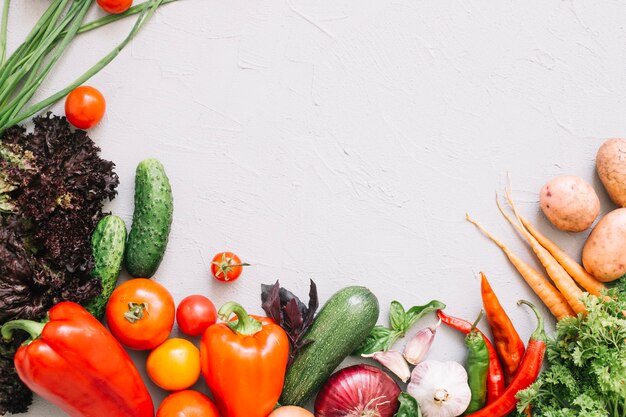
140 314
84 107
227 266
194 314
187 404
115 6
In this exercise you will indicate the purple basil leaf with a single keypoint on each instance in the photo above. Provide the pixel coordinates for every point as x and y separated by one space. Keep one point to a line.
293 316
286 296
313 305
271 302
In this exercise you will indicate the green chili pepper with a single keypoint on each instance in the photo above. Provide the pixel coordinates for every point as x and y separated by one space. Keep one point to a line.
477 367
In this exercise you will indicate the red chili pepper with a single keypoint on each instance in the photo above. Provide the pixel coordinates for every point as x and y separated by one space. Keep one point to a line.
75 363
508 344
495 377
527 374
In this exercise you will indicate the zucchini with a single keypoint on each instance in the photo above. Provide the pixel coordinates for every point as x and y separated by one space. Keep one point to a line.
341 326
107 242
152 219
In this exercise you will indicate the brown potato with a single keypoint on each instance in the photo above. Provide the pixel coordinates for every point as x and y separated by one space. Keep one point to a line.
604 254
570 203
611 167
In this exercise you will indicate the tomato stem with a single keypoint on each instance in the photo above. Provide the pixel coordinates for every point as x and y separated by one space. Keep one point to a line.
136 311
245 324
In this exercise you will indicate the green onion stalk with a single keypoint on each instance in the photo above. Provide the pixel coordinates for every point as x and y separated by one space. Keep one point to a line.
23 72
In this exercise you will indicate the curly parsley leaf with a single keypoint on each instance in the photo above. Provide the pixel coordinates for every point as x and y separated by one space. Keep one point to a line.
586 373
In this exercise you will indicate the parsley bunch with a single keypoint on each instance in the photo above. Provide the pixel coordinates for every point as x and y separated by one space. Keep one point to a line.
586 373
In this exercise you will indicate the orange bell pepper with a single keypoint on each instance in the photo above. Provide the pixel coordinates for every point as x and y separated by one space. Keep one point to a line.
244 362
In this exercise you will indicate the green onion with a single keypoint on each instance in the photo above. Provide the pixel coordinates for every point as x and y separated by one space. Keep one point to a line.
29 65
4 23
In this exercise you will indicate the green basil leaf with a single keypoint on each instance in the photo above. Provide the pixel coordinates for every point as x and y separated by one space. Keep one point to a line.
380 339
408 406
397 317
415 313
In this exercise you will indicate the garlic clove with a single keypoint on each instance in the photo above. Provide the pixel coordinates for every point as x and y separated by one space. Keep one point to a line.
416 350
440 388
394 361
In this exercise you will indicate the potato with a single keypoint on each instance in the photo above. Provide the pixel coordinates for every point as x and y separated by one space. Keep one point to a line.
570 203
611 167
604 254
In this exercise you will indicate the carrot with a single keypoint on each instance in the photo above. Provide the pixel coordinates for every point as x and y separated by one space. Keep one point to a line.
576 271
550 296
559 276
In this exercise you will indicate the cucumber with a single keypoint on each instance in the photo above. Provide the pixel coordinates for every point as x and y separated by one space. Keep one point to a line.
152 219
107 242
341 326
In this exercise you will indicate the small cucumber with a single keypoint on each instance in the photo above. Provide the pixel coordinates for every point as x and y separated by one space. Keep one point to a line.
341 326
107 242
152 219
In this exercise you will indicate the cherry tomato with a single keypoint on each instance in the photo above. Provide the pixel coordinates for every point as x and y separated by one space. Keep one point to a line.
290 411
84 107
227 266
187 404
140 314
174 365
194 314
115 6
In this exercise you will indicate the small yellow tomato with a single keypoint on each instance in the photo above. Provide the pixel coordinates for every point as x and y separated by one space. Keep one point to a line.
174 365
290 411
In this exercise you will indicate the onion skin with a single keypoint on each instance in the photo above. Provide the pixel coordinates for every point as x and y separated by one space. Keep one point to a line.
359 390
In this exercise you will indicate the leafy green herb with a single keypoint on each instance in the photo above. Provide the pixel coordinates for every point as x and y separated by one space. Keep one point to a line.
282 306
52 186
408 406
382 338
586 373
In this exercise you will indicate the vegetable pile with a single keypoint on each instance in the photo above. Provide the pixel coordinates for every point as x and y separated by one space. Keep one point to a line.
586 375
61 257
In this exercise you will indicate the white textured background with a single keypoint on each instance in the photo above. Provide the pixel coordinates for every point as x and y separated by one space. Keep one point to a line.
344 140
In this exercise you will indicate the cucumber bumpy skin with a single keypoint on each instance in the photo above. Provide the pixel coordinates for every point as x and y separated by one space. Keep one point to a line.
107 244
152 219
341 326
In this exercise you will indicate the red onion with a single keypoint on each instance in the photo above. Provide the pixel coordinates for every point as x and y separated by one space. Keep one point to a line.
358 391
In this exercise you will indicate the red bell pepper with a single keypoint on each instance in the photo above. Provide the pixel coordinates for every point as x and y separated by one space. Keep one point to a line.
244 363
75 363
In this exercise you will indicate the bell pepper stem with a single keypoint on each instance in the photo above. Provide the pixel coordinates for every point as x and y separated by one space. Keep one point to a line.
245 325
33 328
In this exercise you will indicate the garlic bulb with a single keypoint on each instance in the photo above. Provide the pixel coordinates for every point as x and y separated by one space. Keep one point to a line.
440 388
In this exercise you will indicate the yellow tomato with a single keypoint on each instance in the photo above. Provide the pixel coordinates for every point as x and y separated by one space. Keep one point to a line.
174 365
290 411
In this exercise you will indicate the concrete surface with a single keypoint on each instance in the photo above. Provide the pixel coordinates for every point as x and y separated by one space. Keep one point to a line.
344 140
